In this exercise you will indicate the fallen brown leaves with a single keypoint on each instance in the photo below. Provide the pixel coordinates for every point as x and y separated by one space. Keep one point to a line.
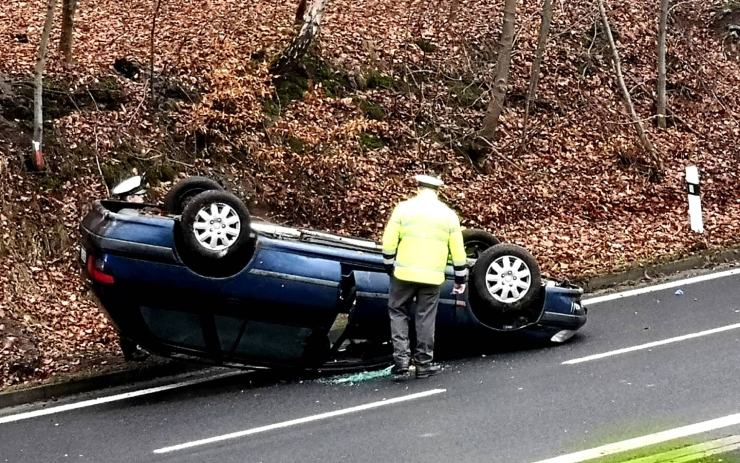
574 191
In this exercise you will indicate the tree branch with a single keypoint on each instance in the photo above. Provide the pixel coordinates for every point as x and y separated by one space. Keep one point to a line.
647 145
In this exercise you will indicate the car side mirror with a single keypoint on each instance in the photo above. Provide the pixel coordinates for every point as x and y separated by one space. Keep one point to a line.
128 186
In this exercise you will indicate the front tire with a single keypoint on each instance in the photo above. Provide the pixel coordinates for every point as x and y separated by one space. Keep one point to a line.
507 278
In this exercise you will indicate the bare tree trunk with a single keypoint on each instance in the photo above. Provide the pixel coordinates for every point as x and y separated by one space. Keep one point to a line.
539 55
38 88
300 11
298 48
662 30
496 106
151 50
454 6
69 7
652 153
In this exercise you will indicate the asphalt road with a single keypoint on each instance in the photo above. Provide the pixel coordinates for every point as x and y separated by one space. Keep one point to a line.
517 406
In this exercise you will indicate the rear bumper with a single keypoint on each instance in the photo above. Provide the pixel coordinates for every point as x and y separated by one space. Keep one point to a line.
94 242
105 231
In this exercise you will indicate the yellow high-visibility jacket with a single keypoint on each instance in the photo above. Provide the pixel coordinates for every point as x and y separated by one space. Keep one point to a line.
420 236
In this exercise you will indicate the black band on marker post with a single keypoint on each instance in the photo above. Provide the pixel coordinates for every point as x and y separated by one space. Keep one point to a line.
692 189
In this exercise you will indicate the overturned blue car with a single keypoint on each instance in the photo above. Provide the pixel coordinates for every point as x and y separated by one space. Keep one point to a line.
197 277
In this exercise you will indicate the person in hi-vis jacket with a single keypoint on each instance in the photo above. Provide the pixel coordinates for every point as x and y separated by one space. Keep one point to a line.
420 236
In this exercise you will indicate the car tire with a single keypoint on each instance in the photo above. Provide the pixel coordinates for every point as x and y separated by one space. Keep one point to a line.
213 234
182 192
476 241
507 278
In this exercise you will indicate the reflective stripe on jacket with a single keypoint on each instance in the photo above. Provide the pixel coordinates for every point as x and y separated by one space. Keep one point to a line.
420 236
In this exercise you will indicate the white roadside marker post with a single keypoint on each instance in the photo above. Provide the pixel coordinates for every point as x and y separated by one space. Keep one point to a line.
692 188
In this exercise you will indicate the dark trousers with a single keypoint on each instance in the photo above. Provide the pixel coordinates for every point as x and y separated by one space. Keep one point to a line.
418 301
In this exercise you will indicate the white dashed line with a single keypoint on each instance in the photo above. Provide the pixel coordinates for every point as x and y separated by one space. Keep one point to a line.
308 419
651 344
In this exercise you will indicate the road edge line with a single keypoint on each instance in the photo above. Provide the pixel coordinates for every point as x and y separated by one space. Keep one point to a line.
646 440
660 287
12 418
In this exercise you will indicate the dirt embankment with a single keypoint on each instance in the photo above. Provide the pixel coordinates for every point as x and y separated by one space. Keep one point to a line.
390 90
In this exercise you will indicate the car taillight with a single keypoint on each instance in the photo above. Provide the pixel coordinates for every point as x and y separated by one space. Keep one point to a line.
95 271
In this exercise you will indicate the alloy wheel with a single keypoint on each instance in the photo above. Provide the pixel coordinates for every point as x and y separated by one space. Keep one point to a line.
508 279
217 226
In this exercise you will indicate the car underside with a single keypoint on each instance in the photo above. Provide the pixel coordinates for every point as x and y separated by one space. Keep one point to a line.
264 295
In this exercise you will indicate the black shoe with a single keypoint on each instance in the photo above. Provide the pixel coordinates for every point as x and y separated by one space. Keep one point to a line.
425 371
400 373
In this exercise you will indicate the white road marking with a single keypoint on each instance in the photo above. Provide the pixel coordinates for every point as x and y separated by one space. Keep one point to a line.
693 452
660 287
652 344
113 398
645 441
128 395
294 422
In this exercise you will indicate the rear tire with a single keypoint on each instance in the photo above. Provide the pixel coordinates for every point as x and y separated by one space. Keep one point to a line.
213 234
182 192
507 278
476 241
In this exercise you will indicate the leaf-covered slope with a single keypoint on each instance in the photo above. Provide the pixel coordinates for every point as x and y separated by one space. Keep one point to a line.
391 89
